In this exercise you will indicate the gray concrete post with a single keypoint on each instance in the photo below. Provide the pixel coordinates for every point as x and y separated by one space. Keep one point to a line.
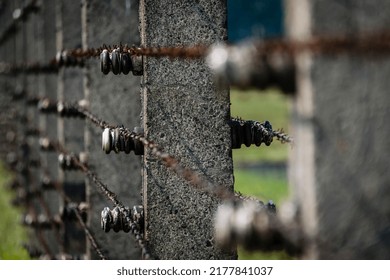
339 165
8 54
116 100
31 84
70 130
47 87
185 113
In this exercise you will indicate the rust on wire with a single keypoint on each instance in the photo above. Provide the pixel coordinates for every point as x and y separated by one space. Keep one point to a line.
374 43
134 227
77 211
195 179
364 43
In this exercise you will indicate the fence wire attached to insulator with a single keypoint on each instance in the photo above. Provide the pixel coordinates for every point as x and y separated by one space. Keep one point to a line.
87 231
271 60
171 162
195 179
250 132
134 227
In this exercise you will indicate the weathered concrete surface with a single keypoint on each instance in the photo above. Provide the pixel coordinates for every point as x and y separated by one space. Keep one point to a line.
339 166
116 100
185 113
70 130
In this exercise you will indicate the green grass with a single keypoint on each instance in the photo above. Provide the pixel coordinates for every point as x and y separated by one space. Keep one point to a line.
12 234
265 185
269 105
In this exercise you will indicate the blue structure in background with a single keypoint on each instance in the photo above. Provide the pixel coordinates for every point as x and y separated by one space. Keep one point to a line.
254 18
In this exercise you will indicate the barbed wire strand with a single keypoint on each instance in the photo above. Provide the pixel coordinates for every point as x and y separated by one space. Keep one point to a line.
283 137
86 229
375 43
194 178
111 196
38 233
50 217
364 43
51 220
32 100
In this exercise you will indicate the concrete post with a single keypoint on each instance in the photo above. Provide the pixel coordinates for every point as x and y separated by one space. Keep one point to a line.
185 113
71 130
47 87
31 84
8 54
116 100
339 165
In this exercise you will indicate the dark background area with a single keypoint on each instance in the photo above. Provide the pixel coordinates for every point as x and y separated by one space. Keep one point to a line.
254 18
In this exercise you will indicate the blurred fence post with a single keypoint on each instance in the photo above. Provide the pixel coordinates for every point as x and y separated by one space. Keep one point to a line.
46 47
116 99
185 113
70 130
339 164
8 53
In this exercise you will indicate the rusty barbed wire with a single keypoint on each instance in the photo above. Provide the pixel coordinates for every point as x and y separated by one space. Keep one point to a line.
39 222
50 221
246 132
86 229
24 197
47 183
364 43
38 232
193 52
170 161
134 227
191 176
374 43
283 137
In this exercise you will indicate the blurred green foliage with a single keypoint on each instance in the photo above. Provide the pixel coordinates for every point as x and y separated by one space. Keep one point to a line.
12 233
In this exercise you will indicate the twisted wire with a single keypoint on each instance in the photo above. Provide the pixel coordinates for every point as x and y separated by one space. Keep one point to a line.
282 136
38 233
48 213
56 146
77 213
87 231
365 43
134 227
171 162
375 43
